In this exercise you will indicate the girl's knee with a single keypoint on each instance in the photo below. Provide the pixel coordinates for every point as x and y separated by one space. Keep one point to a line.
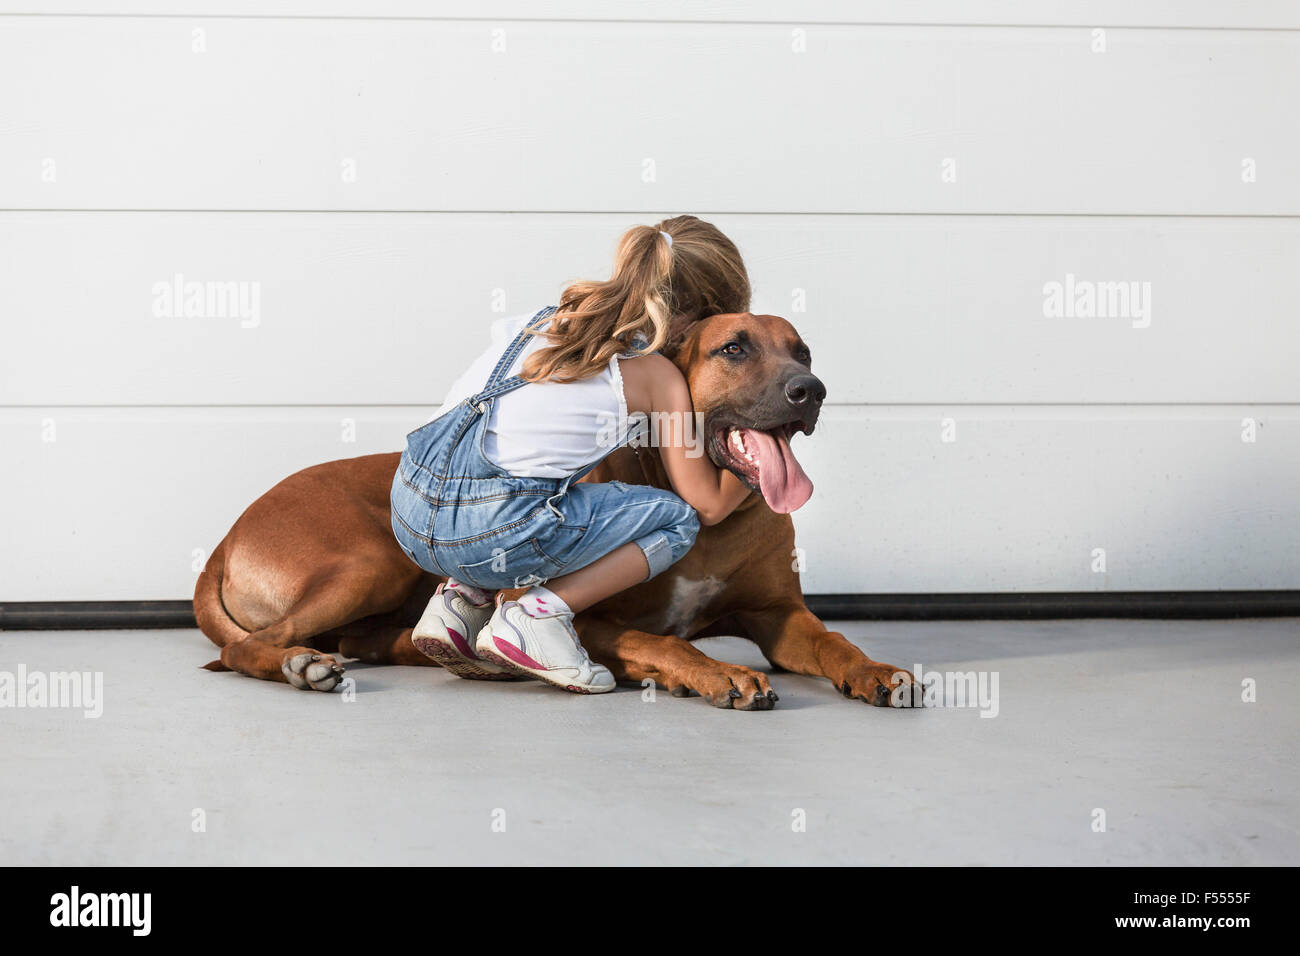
682 534
690 528
669 544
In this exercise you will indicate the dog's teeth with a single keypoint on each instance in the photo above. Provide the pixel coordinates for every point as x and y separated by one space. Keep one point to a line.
738 440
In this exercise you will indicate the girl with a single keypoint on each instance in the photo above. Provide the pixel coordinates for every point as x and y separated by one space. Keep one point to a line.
486 492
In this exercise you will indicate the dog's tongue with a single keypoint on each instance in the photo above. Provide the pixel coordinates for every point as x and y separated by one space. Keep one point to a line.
781 479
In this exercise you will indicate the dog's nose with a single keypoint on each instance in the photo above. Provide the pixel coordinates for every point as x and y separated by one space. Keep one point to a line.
805 390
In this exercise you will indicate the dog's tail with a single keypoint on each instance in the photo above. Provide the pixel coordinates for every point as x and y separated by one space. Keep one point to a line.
214 620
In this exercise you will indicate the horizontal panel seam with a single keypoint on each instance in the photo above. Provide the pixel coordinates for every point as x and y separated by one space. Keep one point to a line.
653 212
646 21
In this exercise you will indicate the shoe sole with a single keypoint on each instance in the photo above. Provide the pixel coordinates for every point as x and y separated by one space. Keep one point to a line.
452 660
507 664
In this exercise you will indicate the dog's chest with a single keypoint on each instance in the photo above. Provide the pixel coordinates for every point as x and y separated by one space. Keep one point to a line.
688 600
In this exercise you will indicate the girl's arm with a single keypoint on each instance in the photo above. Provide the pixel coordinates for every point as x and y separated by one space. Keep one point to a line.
653 385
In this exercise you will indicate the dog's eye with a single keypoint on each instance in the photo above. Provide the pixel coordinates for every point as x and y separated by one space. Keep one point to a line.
731 348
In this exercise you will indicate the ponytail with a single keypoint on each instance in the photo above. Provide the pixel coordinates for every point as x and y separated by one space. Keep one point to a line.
682 267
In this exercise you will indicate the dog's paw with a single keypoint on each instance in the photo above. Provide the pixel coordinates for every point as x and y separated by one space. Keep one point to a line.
312 671
880 685
731 687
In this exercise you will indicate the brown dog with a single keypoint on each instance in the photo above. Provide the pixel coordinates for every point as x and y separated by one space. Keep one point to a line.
312 566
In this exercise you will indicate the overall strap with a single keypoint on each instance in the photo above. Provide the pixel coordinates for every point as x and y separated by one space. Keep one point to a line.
637 433
497 383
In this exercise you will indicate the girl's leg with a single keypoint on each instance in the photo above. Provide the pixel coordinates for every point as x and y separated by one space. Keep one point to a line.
628 534
617 571
615 536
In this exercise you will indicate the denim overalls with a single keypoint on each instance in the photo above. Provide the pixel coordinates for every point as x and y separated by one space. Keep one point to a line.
457 514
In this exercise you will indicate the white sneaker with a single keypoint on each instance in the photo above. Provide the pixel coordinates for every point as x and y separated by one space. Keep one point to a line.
543 647
445 633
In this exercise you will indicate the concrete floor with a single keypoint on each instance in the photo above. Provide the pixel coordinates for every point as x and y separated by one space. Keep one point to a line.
1143 719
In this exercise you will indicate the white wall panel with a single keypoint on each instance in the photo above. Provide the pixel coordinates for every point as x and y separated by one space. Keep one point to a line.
126 158
116 506
1168 13
568 115
387 308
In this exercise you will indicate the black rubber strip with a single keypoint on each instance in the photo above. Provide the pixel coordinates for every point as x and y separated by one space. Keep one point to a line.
1042 605
94 615
1038 605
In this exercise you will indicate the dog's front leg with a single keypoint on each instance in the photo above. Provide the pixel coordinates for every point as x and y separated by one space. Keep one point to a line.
795 639
673 663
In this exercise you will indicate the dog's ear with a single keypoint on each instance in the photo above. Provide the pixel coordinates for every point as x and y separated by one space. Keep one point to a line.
684 350
678 329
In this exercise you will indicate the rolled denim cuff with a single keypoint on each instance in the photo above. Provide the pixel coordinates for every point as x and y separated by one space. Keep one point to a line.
658 552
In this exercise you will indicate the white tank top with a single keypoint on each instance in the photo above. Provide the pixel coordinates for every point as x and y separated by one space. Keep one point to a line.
545 429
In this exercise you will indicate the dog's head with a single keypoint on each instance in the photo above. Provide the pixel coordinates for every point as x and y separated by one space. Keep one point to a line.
751 382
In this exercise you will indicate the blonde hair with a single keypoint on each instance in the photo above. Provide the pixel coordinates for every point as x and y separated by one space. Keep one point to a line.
682 268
